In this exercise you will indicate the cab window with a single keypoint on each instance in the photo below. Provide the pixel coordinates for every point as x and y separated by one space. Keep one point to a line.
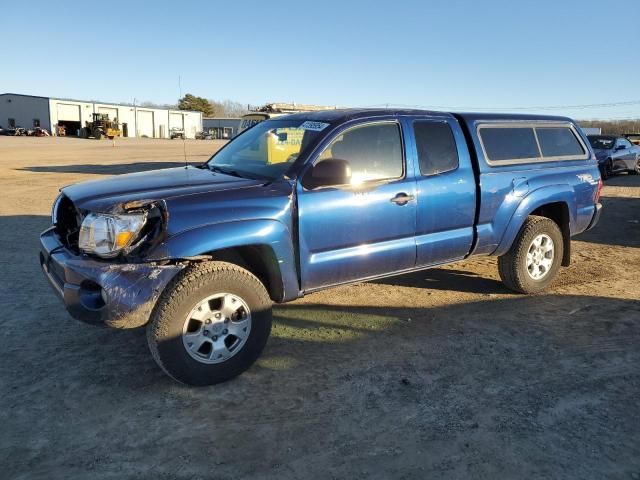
437 152
374 152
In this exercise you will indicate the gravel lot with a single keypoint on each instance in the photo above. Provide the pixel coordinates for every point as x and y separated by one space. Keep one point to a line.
438 374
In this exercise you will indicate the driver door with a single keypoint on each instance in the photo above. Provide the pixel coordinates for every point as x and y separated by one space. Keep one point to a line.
365 228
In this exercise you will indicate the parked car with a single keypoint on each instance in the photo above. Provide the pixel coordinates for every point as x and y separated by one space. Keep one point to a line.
14 131
41 132
204 136
176 132
615 154
306 202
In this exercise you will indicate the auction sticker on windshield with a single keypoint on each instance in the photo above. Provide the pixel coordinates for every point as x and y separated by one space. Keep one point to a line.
314 126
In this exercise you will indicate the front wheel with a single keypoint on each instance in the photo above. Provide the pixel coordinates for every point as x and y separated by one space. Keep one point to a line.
534 259
210 324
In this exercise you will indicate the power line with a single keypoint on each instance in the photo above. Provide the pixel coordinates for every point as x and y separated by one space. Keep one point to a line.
539 107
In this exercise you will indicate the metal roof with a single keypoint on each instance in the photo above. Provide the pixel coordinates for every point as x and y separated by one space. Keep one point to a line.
122 104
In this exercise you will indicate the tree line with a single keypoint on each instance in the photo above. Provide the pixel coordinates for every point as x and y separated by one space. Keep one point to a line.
208 107
612 127
212 108
229 108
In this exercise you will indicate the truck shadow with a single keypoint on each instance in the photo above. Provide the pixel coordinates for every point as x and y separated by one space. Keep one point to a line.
447 279
101 169
337 341
619 223
623 180
303 330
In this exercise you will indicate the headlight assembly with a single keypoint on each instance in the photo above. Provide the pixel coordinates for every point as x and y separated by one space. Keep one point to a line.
108 235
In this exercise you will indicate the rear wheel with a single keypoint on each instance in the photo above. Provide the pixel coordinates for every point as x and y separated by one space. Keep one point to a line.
211 324
534 259
636 170
97 134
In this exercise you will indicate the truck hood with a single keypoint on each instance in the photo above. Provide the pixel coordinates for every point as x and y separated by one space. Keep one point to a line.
105 195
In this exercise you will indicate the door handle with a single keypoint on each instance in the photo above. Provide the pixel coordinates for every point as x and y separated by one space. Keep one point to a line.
402 199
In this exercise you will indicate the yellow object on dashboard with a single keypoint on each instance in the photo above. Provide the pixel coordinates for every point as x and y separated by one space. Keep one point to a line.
282 143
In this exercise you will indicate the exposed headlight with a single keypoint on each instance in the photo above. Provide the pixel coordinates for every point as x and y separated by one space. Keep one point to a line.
107 235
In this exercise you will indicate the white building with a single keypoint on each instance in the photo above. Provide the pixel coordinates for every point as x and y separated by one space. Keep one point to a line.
30 111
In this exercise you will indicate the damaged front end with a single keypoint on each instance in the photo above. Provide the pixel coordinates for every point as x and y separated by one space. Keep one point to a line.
118 289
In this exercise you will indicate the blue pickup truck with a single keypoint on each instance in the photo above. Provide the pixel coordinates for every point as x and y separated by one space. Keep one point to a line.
308 201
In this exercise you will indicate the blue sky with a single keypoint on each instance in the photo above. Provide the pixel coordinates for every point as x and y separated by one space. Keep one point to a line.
452 54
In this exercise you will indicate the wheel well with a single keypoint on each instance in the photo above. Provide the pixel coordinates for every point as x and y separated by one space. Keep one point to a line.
559 213
259 260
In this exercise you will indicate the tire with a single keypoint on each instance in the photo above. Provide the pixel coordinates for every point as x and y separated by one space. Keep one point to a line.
636 170
171 324
607 170
515 268
97 134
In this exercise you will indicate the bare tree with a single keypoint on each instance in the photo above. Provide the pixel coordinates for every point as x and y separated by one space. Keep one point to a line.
228 108
613 127
149 104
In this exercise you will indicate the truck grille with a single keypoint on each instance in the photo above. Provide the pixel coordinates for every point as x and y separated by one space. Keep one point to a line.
68 221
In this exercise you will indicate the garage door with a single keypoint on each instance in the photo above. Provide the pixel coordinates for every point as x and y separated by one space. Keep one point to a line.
112 112
68 112
145 123
176 120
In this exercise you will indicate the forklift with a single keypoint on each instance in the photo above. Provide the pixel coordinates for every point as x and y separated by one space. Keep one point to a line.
100 127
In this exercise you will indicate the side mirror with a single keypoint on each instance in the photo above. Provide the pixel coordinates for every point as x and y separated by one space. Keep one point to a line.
621 147
331 171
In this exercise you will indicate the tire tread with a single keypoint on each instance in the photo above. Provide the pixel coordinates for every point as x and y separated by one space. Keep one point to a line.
512 273
180 288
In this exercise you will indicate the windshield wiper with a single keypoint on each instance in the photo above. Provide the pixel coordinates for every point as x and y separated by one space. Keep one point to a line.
236 173
226 171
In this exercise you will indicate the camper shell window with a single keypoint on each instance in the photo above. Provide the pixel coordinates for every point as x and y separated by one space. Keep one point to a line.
527 142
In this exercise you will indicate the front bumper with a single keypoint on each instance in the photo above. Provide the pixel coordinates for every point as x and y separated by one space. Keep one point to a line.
120 295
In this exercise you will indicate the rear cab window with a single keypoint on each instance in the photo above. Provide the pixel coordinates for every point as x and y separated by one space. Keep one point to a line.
436 147
522 142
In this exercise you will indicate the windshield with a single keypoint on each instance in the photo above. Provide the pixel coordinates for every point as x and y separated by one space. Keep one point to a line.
602 143
266 150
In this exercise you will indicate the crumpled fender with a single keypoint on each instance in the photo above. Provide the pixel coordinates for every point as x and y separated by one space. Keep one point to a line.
206 239
535 199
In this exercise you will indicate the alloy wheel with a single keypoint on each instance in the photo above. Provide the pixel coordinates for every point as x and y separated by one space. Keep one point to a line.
540 256
216 328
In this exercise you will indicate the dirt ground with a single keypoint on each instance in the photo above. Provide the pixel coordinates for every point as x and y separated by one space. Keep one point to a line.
438 374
